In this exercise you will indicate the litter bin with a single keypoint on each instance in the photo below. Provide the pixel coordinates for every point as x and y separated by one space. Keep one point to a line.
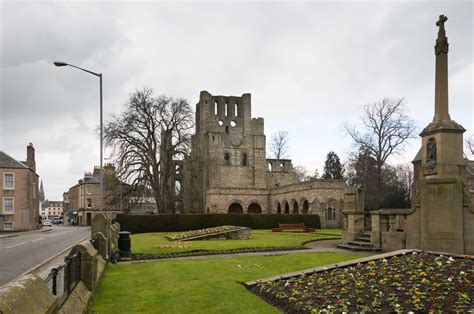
124 245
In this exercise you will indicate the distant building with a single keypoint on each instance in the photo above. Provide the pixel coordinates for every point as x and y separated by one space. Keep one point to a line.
51 209
19 194
83 199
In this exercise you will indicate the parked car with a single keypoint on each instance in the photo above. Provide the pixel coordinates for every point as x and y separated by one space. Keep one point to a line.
57 221
46 223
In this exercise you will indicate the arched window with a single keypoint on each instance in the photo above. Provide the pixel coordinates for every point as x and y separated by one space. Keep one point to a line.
236 113
226 159
279 208
227 129
254 208
244 159
226 107
177 187
270 166
305 207
295 207
431 153
330 211
215 108
281 166
235 208
287 208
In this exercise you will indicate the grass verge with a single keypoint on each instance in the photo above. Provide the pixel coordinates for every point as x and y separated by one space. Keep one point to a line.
156 243
196 286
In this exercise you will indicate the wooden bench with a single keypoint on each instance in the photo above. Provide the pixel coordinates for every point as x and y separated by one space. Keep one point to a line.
301 227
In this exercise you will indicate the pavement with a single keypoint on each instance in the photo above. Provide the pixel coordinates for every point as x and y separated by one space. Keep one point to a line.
25 252
320 246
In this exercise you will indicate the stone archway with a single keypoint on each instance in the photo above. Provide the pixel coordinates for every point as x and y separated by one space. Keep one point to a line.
295 207
278 208
235 208
305 206
287 208
254 208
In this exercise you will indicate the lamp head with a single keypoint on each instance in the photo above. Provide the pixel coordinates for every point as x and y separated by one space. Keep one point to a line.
60 64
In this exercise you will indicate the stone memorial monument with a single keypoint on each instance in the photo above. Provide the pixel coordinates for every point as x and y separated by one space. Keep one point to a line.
442 218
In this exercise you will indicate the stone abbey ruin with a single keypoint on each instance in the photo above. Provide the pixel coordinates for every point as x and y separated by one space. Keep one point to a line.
227 170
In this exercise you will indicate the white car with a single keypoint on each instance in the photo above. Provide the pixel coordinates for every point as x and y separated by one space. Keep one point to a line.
46 223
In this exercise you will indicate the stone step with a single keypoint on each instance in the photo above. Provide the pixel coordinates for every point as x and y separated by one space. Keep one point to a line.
367 233
363 239
359 243
347 246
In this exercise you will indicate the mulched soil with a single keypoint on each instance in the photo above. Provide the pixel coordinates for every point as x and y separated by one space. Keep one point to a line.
417 282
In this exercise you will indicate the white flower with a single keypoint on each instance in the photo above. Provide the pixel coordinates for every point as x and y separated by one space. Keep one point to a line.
450 279
287 283
461 273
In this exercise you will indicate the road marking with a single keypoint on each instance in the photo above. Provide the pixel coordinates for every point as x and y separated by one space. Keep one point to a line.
37 239
9 247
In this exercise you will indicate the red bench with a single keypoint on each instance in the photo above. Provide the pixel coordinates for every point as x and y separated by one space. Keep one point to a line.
301 227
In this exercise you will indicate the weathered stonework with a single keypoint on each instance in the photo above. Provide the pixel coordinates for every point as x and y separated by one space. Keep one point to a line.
228 172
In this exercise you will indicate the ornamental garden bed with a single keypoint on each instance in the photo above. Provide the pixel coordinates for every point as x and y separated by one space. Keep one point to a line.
157 246
410 281
215 233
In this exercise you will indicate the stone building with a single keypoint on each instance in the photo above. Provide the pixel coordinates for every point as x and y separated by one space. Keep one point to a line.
227 170
19 193
83 199
51 209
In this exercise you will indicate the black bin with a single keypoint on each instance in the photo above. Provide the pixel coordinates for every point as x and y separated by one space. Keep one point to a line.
125 244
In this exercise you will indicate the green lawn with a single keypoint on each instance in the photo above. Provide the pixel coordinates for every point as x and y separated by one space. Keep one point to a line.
197 286
145 243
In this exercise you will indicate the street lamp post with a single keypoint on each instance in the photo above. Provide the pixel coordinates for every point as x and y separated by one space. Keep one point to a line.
101 172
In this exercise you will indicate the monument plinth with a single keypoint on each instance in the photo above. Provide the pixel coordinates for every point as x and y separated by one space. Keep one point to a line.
442 219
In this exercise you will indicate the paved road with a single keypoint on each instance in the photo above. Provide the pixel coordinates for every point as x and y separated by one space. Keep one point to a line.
25 250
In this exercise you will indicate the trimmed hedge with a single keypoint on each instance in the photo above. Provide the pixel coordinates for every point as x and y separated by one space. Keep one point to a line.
185 222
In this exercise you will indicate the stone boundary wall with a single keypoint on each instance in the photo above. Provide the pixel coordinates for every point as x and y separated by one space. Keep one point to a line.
30 293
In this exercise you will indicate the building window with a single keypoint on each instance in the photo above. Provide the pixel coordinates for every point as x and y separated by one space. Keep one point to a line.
226 159
8 226
330 211
88 189
236 111
244 159
8 205
89 203
8 181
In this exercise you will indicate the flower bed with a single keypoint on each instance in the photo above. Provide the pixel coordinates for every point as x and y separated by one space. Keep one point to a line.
202 233
138 257
410 282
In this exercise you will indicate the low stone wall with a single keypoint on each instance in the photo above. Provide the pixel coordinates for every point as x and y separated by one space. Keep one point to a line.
31 294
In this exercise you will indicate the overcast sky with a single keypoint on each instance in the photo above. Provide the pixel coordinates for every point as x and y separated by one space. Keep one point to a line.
310 67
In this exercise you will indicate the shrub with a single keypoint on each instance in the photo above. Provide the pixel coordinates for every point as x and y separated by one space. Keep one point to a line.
184 222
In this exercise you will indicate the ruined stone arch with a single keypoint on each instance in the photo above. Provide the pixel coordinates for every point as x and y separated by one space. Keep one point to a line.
294 206
254 208
286 207
278 207
235 207
304 206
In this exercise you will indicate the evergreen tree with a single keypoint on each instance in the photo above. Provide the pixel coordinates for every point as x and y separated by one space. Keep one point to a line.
332 167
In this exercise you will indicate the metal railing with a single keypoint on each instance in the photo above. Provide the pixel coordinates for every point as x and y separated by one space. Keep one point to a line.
62 279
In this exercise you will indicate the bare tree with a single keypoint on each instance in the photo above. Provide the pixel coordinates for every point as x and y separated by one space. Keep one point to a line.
135 138
303 174
385 130
278 145
469 143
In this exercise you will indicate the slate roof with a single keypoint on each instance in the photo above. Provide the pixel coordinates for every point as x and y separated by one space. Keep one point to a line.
7 161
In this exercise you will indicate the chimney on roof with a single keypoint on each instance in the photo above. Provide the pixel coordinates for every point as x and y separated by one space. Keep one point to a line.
30 157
